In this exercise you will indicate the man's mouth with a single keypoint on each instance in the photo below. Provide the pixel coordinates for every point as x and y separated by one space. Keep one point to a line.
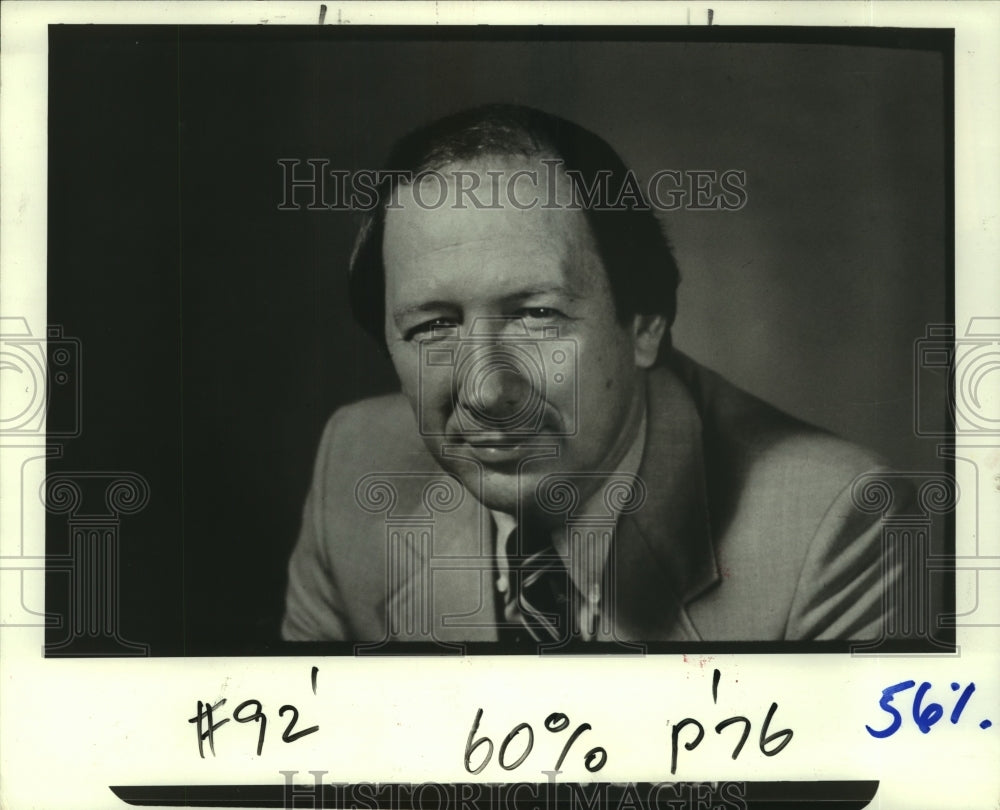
496 449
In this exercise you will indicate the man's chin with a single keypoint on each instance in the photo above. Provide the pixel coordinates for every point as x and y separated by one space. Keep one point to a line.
503 477
503 490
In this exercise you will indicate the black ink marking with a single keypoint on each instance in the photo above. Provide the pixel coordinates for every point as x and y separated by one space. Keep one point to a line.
257 716
766 739
572 739
288 735
743 738
204 717
471 746
596 759
502 754
675 737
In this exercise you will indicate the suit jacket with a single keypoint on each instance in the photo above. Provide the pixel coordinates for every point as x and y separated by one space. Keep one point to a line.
748 530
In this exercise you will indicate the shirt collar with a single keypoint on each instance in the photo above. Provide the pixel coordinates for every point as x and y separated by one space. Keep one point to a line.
505 523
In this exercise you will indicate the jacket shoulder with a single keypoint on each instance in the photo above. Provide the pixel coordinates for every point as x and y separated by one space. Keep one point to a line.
755 439
797 556
375 434
336 585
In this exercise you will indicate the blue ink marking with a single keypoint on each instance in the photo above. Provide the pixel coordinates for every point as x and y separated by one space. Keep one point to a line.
962 700
886 705
923 716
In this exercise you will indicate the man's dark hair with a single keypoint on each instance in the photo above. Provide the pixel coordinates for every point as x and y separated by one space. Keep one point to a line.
641 269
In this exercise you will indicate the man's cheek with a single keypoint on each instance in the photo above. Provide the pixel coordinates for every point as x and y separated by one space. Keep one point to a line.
431 402
409 377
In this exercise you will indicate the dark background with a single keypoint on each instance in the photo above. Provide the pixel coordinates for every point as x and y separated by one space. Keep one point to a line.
215 333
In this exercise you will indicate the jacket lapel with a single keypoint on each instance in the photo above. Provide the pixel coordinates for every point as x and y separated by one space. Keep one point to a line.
448 575
663 556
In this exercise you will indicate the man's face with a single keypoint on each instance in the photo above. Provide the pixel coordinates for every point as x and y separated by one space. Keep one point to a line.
502 328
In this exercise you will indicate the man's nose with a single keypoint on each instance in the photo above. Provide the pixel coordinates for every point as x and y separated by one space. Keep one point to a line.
496 393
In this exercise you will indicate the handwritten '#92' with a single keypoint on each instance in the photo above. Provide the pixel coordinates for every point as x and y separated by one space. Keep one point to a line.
924 716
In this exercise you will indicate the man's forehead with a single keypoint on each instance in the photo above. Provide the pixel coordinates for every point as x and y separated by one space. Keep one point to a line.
507 202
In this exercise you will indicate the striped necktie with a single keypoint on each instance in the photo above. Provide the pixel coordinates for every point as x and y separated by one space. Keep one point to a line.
539 585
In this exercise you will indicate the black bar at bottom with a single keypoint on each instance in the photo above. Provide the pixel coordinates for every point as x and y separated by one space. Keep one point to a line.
822 795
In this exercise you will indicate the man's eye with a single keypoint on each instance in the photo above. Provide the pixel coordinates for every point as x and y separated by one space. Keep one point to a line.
540 313
436 327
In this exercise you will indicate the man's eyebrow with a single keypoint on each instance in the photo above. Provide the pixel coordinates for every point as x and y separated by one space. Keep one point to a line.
510 298
424 306
556 289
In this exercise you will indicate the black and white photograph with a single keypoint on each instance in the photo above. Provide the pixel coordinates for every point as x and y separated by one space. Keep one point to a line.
469 337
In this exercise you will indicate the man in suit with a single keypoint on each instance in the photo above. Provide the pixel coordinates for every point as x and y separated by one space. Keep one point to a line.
553 471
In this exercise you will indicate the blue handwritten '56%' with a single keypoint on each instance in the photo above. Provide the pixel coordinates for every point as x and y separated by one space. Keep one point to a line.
923 716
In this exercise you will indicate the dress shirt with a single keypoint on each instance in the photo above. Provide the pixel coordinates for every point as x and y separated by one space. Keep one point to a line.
588 571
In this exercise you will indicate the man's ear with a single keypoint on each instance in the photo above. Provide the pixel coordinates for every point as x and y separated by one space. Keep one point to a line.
647 332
